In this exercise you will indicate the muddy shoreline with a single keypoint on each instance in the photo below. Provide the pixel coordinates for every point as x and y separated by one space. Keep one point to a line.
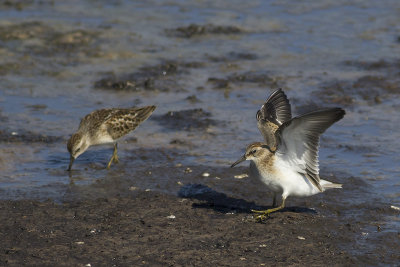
155 229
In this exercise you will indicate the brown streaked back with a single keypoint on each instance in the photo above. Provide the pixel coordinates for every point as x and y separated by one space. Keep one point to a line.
123 121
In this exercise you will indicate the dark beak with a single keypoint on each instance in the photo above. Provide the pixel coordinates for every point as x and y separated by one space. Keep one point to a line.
243 158
71 160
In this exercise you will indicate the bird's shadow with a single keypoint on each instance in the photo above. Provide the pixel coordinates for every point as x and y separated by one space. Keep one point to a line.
220 202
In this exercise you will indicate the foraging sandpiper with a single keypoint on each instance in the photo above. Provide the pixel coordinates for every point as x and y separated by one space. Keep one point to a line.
106 126
288 162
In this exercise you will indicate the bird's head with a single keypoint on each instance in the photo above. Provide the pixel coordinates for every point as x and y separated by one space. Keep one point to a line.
76 146
255 152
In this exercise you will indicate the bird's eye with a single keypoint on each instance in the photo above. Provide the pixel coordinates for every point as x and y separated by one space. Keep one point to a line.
253 151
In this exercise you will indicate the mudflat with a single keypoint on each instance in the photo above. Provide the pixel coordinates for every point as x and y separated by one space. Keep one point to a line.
156 229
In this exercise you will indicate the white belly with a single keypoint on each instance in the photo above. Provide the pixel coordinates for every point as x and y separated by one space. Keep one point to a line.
285 180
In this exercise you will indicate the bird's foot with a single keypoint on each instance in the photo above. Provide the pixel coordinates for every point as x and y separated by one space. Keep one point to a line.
260 215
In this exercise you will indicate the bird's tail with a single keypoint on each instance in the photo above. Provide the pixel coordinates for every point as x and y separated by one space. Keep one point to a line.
329 185
143 113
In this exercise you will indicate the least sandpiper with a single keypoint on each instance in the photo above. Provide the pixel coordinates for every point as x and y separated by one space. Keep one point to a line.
106 126
291 167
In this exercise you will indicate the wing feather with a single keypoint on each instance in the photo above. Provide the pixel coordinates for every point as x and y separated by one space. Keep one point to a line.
124 121
299 140
273 113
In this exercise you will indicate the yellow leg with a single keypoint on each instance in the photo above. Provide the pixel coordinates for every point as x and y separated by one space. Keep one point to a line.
116 160
262 214
114 157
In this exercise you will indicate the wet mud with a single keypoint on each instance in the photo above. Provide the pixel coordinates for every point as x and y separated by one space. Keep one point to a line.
198 30
260 79
27 137
150 229
232 56
382 82
186 120
162 77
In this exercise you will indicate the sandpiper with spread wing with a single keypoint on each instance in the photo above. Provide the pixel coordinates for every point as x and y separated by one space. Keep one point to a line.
287 162
106 126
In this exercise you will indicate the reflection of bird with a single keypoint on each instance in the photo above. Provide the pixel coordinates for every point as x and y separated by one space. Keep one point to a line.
106 126
290 168
275 111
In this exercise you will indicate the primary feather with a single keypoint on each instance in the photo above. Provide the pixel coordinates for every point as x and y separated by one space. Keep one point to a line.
273 113
299 140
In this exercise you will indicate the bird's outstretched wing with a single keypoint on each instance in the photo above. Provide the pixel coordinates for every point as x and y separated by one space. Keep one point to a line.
298 140
275 111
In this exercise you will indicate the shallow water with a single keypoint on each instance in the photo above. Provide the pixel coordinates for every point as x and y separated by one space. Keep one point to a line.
52 55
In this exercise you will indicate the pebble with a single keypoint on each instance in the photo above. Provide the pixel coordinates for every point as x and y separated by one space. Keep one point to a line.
395 208
301 237
206 174
241 176
171 217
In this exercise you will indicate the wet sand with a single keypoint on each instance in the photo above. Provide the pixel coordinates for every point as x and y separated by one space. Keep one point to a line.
198 227
155 229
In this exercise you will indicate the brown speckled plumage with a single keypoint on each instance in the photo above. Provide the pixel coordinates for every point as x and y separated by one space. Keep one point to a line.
106 126
273 113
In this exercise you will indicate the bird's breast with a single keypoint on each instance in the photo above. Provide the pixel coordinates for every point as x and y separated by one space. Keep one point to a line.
267 173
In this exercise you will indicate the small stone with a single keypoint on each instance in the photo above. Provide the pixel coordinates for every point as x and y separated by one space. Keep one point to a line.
242 258
188 170
171 217
178 165
80 243
179 183
133 188
395 208
147 190
241 176
206 174
301 237
263 246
